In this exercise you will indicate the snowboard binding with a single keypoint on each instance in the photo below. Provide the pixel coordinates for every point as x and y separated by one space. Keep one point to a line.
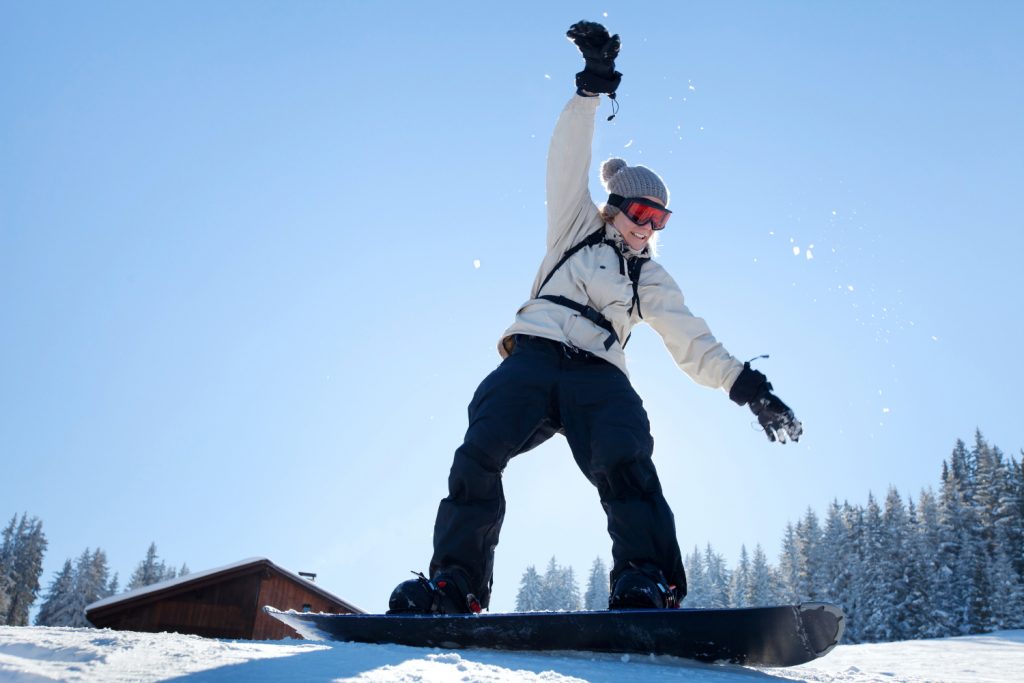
444 594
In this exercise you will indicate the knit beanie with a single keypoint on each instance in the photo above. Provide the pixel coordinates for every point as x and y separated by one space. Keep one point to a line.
632 181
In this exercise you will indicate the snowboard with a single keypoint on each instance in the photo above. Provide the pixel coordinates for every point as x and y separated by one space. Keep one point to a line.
754 636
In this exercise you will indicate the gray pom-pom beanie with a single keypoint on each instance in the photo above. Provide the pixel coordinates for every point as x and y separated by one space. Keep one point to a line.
620 178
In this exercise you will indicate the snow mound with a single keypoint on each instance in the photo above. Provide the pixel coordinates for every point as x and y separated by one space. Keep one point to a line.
68 654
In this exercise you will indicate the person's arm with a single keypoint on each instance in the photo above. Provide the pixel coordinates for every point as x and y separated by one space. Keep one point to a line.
703 357
569 155
570 206
687 337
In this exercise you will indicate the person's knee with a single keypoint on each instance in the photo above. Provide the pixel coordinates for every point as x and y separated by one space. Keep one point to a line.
474 474
628 479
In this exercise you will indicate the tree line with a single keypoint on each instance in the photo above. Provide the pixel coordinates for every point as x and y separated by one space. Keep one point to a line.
950 563
79 583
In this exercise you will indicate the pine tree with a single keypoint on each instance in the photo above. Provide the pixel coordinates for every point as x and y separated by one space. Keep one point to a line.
7 568
596 597
22 558
530 595
739 586
57 608
698 594
570 590
150 570
789 566
874 603
761 590
717 579
810 583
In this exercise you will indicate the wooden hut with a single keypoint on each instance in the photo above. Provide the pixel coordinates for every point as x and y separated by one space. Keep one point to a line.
218 603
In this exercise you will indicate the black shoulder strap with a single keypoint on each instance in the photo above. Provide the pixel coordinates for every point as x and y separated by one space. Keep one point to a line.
590 240
634 266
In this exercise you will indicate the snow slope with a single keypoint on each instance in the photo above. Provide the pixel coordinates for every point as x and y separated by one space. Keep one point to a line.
65 654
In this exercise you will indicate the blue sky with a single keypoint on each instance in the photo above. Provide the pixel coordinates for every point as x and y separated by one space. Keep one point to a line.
255 258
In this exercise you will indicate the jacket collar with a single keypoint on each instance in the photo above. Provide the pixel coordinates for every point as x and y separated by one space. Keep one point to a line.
615 236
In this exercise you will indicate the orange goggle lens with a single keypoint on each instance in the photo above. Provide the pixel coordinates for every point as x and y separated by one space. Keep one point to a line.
641 211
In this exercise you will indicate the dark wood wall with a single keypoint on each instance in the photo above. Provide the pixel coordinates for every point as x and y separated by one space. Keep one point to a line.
284 594
226 609
228 606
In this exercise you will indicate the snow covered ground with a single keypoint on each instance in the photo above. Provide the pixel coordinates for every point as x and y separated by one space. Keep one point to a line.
64 654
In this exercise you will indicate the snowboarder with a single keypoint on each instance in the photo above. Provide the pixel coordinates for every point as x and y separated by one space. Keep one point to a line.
564 371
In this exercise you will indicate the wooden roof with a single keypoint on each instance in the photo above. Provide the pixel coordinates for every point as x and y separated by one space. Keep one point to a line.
197 580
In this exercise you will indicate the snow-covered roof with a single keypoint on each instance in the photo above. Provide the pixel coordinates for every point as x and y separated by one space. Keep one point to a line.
198 576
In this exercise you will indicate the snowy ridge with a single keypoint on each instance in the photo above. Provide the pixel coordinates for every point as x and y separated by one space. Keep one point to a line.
67 654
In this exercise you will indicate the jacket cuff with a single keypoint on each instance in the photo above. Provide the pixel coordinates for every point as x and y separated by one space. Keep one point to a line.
748 386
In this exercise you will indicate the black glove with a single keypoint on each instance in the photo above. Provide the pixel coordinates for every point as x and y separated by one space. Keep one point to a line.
599 50
775 417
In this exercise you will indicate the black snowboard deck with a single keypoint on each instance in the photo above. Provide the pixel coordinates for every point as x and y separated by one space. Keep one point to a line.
755 636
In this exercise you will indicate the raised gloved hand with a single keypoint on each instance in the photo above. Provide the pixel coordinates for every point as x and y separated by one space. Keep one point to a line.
775 417
599 50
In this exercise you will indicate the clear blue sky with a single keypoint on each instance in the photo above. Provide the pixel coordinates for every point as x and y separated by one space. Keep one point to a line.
241 314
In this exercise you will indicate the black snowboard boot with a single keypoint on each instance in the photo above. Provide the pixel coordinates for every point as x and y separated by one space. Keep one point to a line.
643 586
446 593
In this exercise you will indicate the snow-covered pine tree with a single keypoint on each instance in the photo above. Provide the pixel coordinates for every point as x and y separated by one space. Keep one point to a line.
549 586
6 567
903 573
836 558
789 566
917 608
530 595
1009 547
150 570
853 520
739 583
559 590
22 552
873 603
57 607
810 581
936 575
92 583
949 601
571 590
717 579
762 589
696 581
596 597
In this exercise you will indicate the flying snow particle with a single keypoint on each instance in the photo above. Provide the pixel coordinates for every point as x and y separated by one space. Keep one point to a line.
809 255
849 287
604 14
886 411
547 76
628 144
934 338
691 88
796 251
476 263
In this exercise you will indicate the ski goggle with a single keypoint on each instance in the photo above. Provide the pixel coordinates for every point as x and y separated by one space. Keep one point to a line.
641 211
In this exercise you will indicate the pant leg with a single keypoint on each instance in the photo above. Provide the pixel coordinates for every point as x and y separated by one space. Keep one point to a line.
610 437
511 412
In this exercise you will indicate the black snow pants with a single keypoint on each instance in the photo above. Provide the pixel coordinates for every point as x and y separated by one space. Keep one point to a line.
541 389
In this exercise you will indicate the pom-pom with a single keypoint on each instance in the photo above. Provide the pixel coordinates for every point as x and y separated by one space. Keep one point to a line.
609 168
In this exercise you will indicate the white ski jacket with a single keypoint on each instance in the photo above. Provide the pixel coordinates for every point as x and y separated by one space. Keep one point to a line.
592 275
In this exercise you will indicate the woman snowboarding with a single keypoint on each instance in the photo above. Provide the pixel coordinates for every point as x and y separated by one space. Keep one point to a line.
564 371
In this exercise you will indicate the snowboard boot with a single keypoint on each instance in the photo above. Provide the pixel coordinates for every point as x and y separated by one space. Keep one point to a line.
643 586
446 593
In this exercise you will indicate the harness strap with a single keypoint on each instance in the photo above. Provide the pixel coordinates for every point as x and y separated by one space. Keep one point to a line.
630 267
591 314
